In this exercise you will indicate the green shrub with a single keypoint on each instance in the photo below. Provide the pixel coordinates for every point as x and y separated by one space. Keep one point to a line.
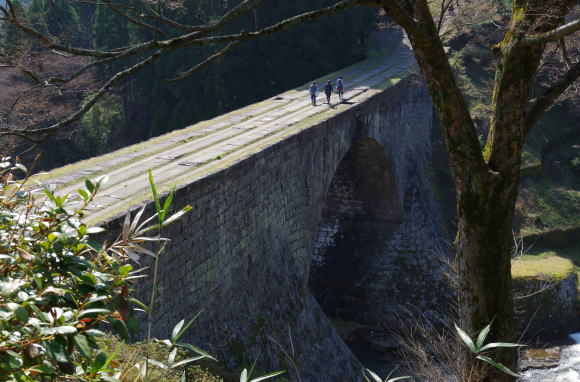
57 286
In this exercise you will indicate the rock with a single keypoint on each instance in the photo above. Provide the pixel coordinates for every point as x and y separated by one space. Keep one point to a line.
540 358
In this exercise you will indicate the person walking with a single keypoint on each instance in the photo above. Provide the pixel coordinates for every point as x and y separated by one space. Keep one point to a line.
340 88
328 91
313 90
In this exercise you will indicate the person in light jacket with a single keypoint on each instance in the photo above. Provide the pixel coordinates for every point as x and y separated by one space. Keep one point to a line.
313 89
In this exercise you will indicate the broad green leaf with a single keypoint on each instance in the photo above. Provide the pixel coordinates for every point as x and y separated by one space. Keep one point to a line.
466 339
94 333
13 359
94 230
20 167
62 330
121 328
21 313
102 180
83 194
267 376
499 345
482 335
50 195
90 186
56 351
10 288
134 324
93 312
497 365
42 369
82 344
99 362
95 245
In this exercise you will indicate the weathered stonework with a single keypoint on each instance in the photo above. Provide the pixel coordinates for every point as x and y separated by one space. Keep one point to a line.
546 309
245 252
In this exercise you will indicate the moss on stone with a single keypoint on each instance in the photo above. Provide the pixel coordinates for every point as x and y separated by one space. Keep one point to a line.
545 267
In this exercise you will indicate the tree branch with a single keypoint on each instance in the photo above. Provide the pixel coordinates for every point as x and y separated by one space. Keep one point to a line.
132 20
547 99
282 25
207 61
458 128
194 38
552 35
89 104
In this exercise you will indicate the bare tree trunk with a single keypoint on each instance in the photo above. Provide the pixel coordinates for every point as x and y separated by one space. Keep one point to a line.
483 256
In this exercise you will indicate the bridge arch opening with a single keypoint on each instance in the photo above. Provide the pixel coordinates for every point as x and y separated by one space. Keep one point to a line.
362 209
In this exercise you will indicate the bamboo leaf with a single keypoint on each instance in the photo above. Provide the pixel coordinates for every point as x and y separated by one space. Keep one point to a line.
482 335
497 365
195 350
126 225
186 361
176 330
182 331
466 339
267 376
158 364
167 204
244 376
155 196
375 377
139 304
177 215
499 345
136 219
171 358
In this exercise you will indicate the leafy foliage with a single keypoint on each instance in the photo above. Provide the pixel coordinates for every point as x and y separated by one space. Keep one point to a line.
376 378
57 285
479 346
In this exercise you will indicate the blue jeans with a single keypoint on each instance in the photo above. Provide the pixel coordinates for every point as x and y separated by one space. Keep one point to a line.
313 98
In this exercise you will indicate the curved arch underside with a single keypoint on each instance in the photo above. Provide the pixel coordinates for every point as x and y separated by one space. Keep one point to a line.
361 211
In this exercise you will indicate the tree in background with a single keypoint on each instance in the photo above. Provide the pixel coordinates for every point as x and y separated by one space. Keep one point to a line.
57 18
486 179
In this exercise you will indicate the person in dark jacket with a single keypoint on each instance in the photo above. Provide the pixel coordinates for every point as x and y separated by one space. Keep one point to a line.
328 91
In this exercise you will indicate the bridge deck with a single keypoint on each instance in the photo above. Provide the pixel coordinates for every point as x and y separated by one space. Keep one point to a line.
182 156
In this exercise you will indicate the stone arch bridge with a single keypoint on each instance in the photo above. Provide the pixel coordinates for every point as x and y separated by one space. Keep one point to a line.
300 213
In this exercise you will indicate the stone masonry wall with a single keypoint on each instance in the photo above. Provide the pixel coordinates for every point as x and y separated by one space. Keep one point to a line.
243 254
